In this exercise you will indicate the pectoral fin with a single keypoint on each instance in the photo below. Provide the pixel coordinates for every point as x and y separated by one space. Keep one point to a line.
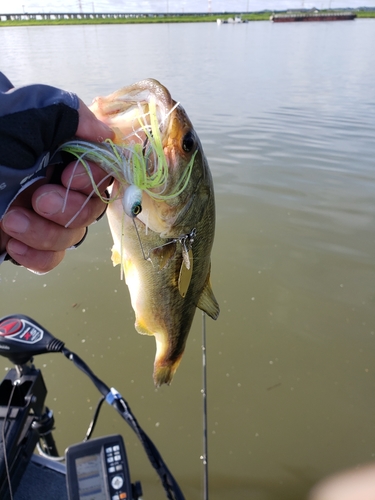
207 301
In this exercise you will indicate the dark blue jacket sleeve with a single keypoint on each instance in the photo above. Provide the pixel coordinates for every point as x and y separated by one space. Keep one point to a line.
34 120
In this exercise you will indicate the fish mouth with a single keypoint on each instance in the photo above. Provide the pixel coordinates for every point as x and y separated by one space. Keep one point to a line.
144 114
124 109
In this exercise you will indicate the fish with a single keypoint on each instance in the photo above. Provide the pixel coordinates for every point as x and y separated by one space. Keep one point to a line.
165 247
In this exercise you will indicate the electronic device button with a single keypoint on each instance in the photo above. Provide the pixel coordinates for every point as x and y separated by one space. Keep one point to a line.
110 459
116 447
109 449
115 497
117 458
117 482
118 467
112 469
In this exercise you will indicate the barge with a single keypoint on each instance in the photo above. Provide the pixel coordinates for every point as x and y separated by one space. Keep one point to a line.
312 16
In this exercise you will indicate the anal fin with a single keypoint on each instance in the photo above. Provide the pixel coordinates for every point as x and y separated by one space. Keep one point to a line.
207 302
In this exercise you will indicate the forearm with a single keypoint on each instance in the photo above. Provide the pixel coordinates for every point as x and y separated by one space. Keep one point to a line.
34 120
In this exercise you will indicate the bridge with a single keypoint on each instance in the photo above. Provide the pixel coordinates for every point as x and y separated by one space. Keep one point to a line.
51 16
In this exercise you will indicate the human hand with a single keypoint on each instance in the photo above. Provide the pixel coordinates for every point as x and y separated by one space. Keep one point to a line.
33 230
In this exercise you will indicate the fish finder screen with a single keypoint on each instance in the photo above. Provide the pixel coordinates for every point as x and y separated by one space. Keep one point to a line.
91 484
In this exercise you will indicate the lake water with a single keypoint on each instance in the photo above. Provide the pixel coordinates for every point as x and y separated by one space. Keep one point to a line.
286 115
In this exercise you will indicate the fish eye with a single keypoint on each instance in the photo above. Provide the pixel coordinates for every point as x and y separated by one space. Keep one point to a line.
188 141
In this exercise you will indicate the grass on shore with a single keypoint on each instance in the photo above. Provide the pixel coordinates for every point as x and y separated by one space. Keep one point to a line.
263 16
135 20
366 13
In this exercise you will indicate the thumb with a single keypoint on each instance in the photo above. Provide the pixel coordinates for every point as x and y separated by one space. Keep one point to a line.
90 128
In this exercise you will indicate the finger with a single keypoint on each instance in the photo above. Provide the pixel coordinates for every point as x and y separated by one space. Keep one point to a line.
3 239
40 261
37 232
75 177
90 128
70 209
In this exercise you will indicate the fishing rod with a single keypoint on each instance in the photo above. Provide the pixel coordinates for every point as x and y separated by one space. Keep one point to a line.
21 338
204 457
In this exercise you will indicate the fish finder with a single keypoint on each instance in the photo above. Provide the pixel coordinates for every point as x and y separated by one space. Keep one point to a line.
98 470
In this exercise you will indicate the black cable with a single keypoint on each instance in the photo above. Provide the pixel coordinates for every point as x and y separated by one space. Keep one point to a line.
101 386
112 397
169 483
91 428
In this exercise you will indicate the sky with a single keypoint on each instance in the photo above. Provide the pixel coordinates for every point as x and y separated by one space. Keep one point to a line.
177 6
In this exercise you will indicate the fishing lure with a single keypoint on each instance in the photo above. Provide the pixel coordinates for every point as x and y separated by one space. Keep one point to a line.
131 163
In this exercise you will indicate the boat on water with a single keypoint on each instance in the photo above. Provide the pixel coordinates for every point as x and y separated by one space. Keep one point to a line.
231 20
312 16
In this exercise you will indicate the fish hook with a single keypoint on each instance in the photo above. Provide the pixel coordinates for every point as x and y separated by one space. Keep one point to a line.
187 241
140 242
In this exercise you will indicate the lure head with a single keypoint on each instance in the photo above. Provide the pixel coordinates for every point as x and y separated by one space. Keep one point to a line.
165 249
132 201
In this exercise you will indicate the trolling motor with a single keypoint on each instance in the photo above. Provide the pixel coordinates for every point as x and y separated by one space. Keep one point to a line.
24 420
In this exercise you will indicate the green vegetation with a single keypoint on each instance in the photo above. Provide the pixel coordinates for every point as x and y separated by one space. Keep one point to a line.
255 16
135 20
366 13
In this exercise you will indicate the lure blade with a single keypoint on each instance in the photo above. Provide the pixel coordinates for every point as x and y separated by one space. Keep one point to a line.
185 275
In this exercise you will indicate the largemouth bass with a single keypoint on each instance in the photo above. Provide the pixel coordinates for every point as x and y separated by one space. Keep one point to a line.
165 248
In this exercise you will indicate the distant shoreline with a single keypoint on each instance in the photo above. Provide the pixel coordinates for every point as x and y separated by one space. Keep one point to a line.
155 18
